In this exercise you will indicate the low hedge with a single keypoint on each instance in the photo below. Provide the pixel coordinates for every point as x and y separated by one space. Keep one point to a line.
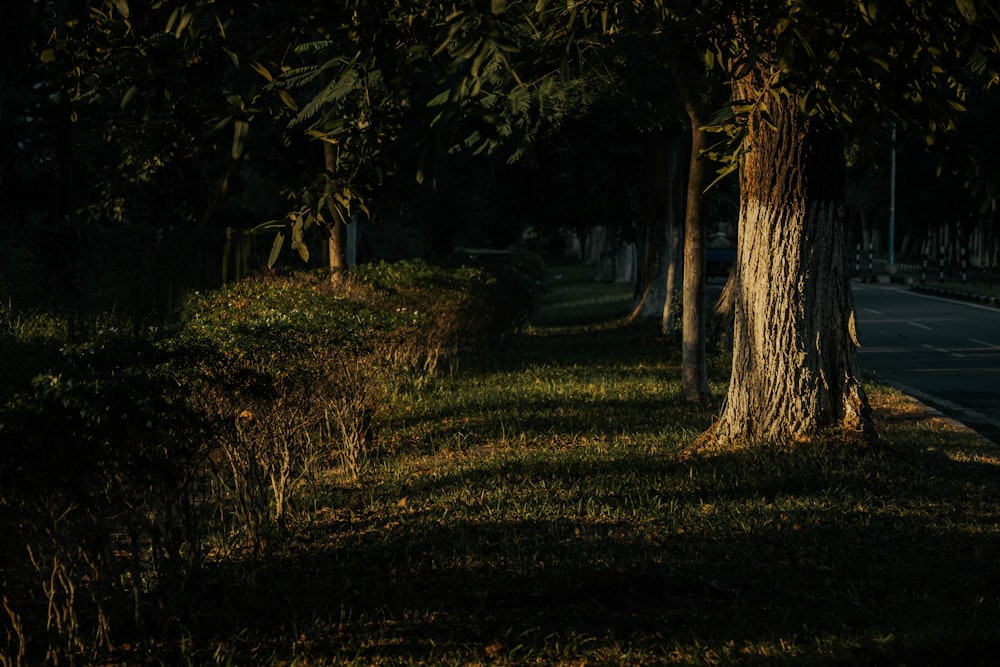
137 460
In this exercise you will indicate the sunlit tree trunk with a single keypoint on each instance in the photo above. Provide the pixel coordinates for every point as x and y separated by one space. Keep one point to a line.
795 370
337 243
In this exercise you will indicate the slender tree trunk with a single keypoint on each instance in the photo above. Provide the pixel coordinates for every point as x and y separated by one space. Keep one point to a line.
61 199
218 196
337 242
694 374
795 369
675 268
675 236
653 270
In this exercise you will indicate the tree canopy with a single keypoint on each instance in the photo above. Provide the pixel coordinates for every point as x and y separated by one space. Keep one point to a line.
213 113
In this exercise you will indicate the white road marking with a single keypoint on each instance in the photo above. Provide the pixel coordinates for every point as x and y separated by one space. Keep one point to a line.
992 346
991 309
944 351
872 311
919 325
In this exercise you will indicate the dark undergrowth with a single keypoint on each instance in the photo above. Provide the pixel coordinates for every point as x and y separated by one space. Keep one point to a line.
532 508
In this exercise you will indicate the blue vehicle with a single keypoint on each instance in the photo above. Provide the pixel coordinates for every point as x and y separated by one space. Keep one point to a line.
719 261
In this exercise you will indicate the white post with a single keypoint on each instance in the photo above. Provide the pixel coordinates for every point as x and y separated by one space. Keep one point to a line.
890 264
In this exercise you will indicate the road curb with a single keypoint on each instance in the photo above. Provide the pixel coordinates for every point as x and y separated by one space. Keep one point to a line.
922 400
981 299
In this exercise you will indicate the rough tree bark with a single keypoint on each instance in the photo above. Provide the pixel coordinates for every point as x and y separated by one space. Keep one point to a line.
795 371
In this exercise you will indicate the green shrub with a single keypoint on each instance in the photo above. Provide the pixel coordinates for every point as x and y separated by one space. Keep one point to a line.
275 316
520 282
459 311
100 507
292 373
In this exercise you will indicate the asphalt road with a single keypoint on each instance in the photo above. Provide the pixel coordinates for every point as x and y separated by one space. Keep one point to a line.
945 353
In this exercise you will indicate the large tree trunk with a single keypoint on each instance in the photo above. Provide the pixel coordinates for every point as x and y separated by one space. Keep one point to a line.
795 369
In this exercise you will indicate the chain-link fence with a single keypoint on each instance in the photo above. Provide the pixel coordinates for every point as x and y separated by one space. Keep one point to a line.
138 273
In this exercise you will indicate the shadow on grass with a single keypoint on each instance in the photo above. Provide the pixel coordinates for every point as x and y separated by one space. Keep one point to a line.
21 361
592 383
862 558
567 420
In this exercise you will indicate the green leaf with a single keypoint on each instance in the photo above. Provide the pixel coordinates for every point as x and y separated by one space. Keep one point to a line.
440 99
122 7
183 23
477 63
221 123
968 10
723 172
804 101
313 47
880 62
287 99
498 6
269 226
334 92
240 130
129 94
263 71
173 19
868 11
298 242
279 241
48 56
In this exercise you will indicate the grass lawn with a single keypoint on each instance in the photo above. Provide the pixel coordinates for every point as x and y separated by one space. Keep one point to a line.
533 510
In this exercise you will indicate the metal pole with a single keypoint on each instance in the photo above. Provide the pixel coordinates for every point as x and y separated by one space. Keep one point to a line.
891 261
941 263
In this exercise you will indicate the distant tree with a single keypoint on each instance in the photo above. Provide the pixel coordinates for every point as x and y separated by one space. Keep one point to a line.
658 81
